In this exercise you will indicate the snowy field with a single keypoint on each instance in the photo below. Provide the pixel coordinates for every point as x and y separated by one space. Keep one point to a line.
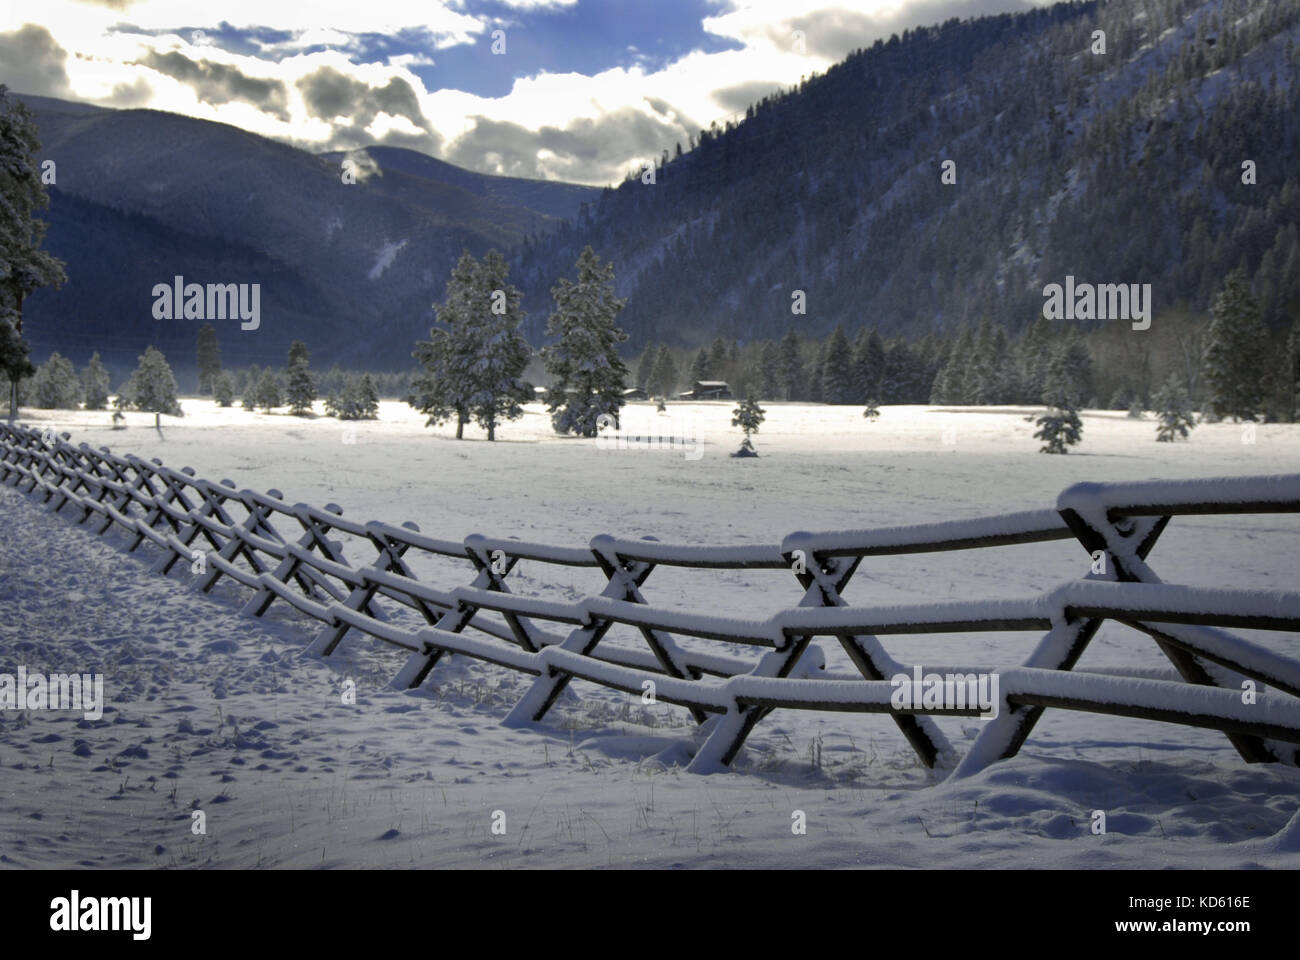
215 711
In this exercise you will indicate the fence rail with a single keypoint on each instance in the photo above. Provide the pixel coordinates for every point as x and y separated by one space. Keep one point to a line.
295 553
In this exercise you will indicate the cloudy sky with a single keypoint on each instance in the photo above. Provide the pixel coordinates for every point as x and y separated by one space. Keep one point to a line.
579 90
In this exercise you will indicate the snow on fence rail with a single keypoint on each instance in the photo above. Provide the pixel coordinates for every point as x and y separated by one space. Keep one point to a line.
293 552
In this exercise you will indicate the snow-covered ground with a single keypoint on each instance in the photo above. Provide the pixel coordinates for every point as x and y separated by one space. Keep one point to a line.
214 710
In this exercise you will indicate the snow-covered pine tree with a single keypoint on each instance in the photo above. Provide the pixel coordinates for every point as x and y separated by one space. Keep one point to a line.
500 352
357 400
748 415
1059 428
837 369
1174 411
209 357
367 398
223 389
663 382
55 385
1236 351
443 388
248 393
94 384
152 386
301 391
14 363
267 393
24 266
588 375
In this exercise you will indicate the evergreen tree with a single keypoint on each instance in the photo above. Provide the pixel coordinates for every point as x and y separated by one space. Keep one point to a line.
444 386
1075 364
587 373
1236 351
248 395
663 382
768 371
1059 428
223 389
645 367
500 352
55 385
357 400
868 364
702 366
367 398
748 415
14 362
152 386
719 359
1033 353
791 370
94 384
301 392
267 394
209 357
1174 410
952 382
24 266
837 369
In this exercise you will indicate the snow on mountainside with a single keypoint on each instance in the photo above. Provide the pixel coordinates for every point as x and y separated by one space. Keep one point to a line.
142 196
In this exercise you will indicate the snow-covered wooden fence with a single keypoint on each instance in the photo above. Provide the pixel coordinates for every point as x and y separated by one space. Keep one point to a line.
295 553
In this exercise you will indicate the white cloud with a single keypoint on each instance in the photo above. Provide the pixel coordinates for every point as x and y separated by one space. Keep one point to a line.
568 125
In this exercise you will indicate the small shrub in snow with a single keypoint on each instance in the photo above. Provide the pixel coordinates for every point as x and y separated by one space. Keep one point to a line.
748 415
1059 428
1174 411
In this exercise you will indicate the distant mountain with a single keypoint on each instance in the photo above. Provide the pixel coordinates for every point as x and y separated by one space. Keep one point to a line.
142 196
1117 167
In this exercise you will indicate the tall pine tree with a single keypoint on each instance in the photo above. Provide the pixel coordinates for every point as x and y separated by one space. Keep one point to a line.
588 375
1236 351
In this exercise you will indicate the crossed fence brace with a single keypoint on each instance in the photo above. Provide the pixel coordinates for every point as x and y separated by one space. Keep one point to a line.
1118 526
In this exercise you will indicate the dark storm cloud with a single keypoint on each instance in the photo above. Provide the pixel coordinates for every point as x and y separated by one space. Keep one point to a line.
835 33
330 94
32 62
221 83
590 151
